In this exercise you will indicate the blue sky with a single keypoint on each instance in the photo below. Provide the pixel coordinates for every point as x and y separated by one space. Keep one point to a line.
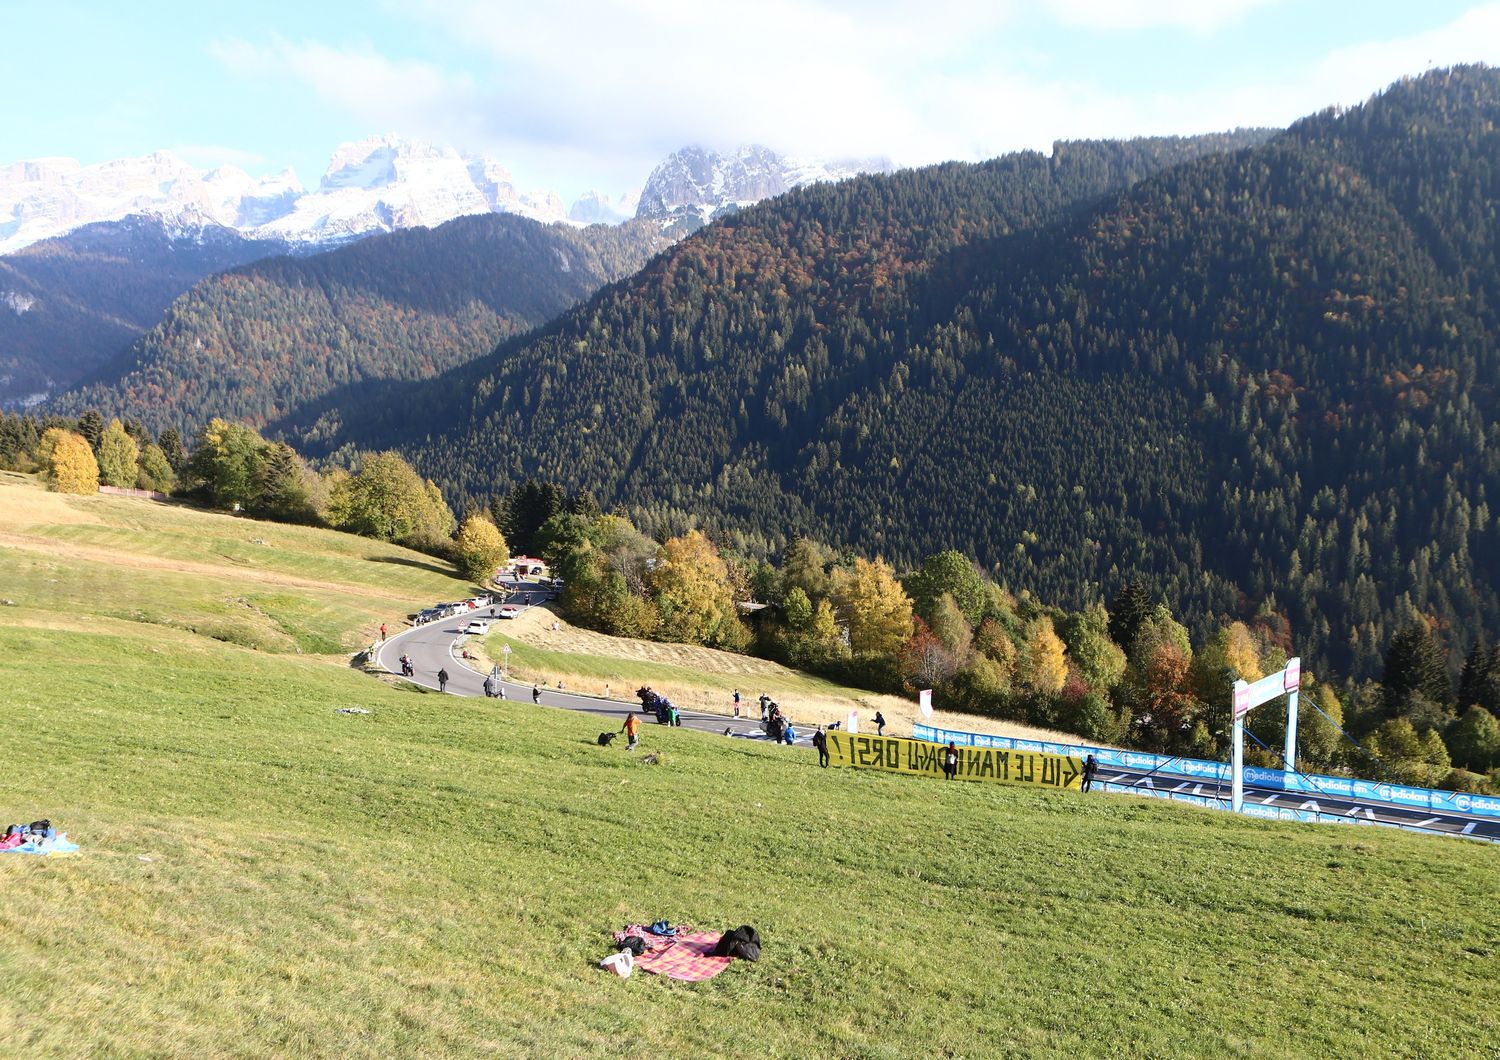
574 94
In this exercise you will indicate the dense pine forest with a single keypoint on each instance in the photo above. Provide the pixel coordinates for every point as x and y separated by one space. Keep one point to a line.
1259 379
259 342
70 305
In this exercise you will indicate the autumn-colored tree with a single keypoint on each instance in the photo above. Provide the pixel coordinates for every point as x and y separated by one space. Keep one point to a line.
70 462
994 643
118 454
1167 709
873 607
479 549
925 661
690 586
1042 665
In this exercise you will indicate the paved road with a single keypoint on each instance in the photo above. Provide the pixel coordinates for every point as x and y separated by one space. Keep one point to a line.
1447 821
436 646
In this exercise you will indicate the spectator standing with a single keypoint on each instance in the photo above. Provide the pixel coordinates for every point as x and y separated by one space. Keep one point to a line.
536 694
382 632
950 761
1090 768
879 724
820 741
442 680
736 702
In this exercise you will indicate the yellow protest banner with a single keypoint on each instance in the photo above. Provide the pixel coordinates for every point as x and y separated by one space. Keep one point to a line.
1000 765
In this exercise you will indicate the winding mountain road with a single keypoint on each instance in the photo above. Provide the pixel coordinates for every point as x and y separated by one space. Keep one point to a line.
437 645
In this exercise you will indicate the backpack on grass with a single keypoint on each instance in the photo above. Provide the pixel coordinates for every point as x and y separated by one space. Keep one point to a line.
743 942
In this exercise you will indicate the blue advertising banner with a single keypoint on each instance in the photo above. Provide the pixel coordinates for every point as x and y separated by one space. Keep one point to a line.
1275 779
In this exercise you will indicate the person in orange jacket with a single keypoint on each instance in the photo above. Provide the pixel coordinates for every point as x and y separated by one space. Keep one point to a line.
632 729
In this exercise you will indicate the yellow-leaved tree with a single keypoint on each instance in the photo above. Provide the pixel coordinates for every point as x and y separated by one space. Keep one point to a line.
1043 665
874 608
691 588
480 548
70 463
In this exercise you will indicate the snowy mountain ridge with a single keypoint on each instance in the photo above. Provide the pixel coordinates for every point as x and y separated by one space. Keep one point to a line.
698 181
378 184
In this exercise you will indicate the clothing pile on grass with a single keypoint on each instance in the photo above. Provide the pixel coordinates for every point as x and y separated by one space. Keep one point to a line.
680 952
38 837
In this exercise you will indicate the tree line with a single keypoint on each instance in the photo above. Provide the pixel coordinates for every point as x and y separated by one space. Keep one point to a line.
1130 674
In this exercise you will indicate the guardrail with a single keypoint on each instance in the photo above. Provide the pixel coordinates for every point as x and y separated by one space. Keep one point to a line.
1274 779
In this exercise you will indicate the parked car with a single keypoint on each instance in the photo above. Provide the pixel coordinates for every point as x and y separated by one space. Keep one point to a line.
477 628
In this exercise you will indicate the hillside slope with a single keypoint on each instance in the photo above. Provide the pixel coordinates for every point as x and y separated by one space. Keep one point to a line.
1256 379
259 342
69 305
455 867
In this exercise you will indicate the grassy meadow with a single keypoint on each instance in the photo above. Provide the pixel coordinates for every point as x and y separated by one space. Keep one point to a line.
262 875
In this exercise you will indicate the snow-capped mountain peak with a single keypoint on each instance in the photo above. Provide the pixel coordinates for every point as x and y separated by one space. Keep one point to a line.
700 181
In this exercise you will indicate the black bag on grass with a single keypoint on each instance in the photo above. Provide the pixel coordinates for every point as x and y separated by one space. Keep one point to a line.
743 942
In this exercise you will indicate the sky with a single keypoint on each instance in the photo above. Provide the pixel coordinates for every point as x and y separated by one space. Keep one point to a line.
573 95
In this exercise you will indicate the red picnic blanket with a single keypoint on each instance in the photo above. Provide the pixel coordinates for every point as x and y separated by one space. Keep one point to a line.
686 957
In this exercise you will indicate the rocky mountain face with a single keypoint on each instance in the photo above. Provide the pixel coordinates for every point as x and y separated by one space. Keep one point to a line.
697 181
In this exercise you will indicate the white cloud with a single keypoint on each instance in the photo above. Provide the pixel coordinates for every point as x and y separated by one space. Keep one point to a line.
1202 16
597 91
208 156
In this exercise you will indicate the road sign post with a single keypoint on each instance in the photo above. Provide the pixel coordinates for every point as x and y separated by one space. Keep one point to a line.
1247 697
505 652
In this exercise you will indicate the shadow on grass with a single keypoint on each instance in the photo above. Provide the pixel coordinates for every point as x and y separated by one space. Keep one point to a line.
419 564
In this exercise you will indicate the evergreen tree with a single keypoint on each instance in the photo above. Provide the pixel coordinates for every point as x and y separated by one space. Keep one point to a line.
1132 606
1414 666
91 426
171 444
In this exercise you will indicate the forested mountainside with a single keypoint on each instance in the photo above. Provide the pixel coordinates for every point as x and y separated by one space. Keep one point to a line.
1261 379
69 304
256 343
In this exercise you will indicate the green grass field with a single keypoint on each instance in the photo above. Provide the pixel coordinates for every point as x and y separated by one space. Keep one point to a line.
262 875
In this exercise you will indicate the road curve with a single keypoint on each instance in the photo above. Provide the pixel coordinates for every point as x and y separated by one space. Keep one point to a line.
435 646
